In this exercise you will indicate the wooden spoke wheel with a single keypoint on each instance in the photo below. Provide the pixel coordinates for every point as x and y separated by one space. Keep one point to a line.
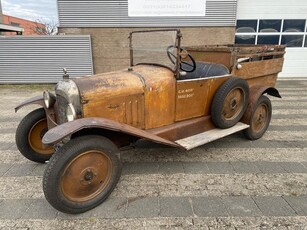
29 136
230 102
82 174
260 119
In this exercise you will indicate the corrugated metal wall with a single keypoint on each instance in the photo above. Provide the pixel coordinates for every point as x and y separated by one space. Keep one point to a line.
107 13
40 59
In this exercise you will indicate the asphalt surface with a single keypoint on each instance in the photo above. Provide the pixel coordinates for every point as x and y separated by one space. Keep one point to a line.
232 183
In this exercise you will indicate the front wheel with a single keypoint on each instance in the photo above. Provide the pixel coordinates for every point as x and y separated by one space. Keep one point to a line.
82 174
29 136
260 119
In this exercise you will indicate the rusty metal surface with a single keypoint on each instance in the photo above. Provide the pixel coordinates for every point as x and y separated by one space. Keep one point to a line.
194 97
160 89
259 68
39 100
118 96
183 129
268 80
229 56
56 134
255 93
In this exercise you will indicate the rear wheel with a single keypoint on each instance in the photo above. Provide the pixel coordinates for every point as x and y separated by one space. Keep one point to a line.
260 119
29 136
82 174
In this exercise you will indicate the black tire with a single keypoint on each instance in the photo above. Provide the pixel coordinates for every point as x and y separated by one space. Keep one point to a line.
229 103
260 119
82 174
29 135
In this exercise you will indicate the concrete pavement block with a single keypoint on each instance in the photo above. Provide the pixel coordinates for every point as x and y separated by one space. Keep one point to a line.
40 209
19 170
209 207
195 167
245 167
13 209
4 168
220 167
171 167
39 170
270 167
273 206
298 203
143 207
113 207
241 206
294 167
140 168
175 207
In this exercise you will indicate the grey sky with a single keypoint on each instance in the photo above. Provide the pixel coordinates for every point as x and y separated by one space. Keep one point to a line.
34 10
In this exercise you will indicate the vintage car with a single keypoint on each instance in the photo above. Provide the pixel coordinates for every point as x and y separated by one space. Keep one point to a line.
180 97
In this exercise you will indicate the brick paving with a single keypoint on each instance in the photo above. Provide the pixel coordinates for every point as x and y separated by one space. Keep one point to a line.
231 183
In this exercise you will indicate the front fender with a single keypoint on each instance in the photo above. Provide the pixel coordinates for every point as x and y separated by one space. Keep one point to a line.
58 133
39 100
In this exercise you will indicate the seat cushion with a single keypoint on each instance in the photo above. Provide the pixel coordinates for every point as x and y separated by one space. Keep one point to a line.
204 69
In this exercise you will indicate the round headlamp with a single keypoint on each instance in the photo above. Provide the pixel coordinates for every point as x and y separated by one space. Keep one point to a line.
49 99
70 112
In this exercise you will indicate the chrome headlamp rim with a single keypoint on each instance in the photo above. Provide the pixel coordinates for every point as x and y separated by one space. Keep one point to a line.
71 114
49 99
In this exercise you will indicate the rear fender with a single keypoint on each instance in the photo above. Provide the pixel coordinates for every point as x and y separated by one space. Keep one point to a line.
254 95
58 133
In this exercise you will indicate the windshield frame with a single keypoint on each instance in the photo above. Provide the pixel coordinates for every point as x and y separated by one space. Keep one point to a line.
177 45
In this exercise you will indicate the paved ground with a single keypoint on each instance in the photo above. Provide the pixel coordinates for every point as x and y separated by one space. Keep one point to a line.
232 183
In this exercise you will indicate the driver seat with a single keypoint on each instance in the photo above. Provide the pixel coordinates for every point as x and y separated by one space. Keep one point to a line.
205 69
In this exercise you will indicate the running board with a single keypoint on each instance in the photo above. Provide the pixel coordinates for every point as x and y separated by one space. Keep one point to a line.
209 136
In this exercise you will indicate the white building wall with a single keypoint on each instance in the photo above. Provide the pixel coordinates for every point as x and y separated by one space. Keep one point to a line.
296 58
272 9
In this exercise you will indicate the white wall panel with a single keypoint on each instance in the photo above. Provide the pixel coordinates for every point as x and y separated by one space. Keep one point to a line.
295 63
272 9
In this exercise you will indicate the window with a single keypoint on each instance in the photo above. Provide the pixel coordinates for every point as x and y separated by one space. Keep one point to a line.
269 26
245 39
15 24
294 25
268 39
292 40
289 32
244 26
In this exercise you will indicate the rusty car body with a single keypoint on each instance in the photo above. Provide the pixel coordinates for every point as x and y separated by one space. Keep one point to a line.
180 97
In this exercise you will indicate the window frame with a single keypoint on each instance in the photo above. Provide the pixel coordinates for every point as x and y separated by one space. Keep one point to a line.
280 34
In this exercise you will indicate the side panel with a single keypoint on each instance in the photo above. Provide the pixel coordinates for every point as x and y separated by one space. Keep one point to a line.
118 96
194 97
191 99
259 68
160 87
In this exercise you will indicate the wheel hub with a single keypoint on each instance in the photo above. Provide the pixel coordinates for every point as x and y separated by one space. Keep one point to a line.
88 176
260 118
233 104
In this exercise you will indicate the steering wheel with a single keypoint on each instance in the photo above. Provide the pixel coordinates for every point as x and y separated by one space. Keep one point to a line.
187 66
